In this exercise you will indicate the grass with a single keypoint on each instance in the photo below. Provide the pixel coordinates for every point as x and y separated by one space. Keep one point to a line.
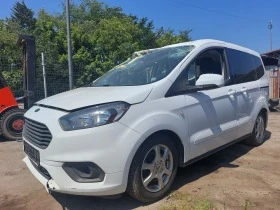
181 201
247 205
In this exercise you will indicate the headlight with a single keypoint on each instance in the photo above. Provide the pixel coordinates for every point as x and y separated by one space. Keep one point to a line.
94 116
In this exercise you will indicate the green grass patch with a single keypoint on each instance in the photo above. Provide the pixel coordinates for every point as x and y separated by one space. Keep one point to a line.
181 201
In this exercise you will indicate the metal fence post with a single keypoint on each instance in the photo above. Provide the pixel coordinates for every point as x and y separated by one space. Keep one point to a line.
44 75
69 46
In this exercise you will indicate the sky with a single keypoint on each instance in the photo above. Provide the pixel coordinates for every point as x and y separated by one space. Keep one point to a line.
242 22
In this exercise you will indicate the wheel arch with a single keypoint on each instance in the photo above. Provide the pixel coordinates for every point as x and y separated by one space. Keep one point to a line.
264 112
261 107
172 136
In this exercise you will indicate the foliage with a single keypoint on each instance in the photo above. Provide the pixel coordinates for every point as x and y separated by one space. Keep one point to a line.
14 79
169 37
102 36
23 16
8 38
10 56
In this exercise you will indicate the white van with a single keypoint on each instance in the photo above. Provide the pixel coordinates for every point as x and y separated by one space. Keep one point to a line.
130 129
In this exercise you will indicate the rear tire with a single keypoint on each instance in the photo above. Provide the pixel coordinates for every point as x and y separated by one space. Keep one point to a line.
272 109
273 105
153 169
258 133
12 124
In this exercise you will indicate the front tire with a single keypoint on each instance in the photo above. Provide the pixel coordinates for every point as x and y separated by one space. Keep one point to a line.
257 136
153 169
12 124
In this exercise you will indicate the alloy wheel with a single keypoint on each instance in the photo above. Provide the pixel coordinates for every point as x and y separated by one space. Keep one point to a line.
259 129
157 168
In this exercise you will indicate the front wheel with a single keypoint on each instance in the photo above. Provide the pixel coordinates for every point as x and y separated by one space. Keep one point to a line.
12 124
153 169
257 136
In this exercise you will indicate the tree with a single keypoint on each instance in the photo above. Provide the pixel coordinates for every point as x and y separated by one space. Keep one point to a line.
10 59
147 36
89 10
23 15
169 37
102 36
8 38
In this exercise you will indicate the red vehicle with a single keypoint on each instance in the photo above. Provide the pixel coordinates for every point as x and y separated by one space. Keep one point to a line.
11 117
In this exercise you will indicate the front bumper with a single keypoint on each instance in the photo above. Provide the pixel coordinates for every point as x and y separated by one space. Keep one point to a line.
110 147
111 185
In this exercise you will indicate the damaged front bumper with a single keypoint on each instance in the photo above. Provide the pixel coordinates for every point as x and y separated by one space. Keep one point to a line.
109 186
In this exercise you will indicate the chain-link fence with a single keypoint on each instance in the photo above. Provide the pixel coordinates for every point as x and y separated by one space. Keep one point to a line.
12 72
57 76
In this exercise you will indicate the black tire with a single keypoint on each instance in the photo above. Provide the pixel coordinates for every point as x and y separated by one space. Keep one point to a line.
0 126
258 133
273 104
12 124
272 109
137 175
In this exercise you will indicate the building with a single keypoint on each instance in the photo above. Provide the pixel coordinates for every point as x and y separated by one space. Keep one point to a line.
271 62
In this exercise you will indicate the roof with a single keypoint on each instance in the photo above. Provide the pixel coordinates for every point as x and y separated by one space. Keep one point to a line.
273 53
201 42
269 61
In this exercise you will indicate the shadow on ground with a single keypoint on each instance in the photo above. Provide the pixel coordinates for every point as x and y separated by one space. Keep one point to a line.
73 202
2 139
221 159
185 175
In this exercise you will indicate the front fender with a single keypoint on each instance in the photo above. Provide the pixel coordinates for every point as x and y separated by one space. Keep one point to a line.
148 118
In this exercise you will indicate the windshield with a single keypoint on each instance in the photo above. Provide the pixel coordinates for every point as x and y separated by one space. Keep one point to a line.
144 67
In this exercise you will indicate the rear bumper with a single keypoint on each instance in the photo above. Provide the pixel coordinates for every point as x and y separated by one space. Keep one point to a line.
109 186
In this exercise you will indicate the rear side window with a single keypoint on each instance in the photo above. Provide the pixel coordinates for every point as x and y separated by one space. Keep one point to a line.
258 66
241 66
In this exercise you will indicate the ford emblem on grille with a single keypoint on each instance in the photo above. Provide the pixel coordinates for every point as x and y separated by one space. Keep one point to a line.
37 110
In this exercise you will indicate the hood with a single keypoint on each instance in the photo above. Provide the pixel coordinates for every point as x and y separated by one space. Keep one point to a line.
88 96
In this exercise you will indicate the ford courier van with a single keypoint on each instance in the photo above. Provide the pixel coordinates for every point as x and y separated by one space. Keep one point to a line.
130 129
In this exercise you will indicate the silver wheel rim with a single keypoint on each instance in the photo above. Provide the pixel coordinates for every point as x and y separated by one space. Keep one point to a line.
157 168
259 129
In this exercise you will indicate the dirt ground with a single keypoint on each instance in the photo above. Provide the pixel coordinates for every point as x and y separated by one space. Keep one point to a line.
239 177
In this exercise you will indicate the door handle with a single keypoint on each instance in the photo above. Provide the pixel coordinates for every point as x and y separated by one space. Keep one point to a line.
244 89
231 92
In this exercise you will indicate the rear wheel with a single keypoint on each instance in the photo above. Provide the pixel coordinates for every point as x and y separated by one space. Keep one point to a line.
153 169
257 136
12 124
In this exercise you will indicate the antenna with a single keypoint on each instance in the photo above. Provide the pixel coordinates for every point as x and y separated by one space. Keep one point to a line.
270 26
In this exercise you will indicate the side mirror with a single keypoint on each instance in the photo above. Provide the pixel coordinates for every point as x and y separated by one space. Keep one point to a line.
210 79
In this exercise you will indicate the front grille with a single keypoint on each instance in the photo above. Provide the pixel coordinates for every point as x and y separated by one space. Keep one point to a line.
37 133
